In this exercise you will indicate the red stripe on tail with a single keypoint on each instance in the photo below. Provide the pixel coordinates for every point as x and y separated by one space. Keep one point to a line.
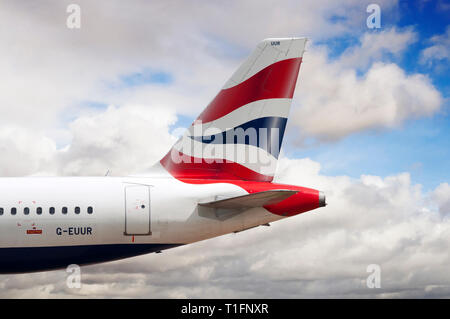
275 81
192 167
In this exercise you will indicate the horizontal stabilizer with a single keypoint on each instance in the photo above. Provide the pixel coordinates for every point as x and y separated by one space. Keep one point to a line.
251 200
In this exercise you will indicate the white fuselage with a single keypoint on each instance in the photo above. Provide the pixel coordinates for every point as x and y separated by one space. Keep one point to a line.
116 211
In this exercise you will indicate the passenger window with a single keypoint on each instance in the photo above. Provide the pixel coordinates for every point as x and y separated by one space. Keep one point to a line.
13 211
90 210
52 210
39 210
64 210
1 211
26 211
77 210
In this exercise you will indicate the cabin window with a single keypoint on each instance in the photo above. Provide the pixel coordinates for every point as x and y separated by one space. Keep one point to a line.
64 210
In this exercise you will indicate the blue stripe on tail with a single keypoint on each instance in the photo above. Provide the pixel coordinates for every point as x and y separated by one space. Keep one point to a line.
266 133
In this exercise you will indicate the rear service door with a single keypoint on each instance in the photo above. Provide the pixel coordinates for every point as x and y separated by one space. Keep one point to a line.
137 210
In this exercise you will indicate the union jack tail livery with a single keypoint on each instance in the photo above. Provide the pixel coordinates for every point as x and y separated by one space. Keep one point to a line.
239 134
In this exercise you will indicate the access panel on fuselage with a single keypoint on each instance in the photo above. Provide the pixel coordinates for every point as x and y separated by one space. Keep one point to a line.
137 210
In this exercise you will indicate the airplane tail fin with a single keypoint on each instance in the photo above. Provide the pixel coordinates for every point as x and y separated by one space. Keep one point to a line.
239 134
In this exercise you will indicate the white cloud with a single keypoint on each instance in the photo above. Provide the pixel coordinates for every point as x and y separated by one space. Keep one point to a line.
124 140
439 51
47 69
441 197
24 151
374 46
323 253
334 101
69 67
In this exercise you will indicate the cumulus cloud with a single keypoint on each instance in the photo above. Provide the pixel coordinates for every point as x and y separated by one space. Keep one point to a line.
48 69
439 51
123 140
323 253
333 100
374 46
24 151
441 197
69 67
